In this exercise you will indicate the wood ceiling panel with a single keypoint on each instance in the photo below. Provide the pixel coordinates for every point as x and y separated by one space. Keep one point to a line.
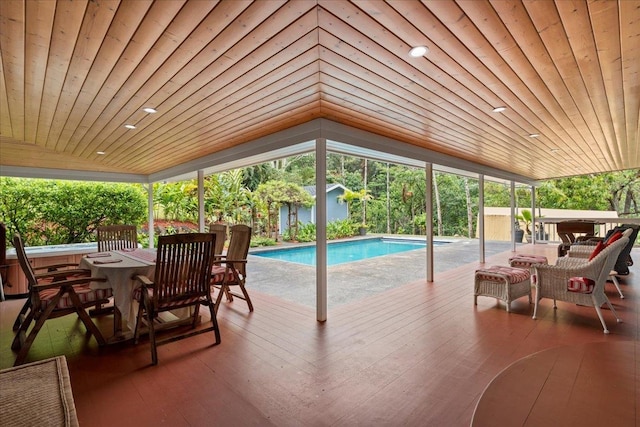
455 92
630 46
13 63
39 17
191 83
64 33
239 82
222 72
141 60
255 123
542 49
234 118
489 23
137 91
461 116
445 29
575 70
96 23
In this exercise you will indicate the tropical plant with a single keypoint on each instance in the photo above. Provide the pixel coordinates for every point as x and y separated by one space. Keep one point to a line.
526 217
361 196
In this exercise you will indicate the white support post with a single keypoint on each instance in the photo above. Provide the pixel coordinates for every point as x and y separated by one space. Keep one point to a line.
533 215
150 214
481 217
513 216
428 168
321 230
201 201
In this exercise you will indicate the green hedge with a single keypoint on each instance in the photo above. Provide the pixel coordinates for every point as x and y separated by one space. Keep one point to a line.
50 212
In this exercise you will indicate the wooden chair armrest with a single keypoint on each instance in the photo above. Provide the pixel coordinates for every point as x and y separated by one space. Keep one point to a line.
71 282
230 261
55 266
144 280
63 273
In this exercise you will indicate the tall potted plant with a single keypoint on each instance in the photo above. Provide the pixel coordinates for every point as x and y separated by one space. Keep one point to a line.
527 218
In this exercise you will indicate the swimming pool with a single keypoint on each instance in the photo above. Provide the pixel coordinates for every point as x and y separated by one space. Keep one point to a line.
344 252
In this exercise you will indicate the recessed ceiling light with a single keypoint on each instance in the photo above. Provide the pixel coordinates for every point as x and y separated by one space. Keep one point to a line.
418 51
534 135
149 110
499 109
100 153
130 126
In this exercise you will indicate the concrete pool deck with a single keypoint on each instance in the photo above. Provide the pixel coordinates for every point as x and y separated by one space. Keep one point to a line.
359 279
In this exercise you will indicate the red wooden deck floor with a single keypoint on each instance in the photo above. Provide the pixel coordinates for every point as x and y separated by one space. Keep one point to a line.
420 354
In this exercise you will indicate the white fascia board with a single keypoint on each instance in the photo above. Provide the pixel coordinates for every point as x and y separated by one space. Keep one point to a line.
72 175
403 153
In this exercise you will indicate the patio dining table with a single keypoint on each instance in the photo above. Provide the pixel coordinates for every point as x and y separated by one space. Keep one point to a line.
120 267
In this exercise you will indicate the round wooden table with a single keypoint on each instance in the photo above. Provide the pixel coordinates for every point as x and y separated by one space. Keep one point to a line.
592 384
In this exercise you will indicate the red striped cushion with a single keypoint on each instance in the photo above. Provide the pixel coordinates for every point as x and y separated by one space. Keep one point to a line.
137 295
514 275
583 285
217 274
526 260
85 293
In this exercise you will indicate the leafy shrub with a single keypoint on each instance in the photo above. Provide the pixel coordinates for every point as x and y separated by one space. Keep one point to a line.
257 241
341 229
306 232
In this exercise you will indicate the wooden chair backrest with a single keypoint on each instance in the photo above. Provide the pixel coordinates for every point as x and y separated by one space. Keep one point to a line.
239 245
183 267
24 261
566 229
220 230
3 244
114 237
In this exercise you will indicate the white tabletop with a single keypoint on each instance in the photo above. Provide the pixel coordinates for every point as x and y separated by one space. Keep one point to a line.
120 278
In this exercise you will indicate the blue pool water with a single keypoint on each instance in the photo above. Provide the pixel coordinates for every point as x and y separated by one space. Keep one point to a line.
344 252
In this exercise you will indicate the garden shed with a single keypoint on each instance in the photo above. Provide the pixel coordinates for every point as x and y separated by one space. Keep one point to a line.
336 210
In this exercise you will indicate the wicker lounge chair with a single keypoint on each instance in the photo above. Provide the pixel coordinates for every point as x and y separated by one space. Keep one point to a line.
554 281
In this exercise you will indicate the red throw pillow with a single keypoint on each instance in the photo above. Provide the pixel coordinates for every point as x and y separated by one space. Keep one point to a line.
615 236
599 247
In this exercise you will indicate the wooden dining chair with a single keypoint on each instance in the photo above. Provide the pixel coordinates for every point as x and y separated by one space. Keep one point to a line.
231 269
181 279
220 230
114 237
54 294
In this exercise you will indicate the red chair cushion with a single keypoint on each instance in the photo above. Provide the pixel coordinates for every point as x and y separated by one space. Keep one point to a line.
217 275
85 294
583 285
137 295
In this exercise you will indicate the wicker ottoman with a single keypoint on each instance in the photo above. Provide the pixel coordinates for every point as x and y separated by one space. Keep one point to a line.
527 261
504 283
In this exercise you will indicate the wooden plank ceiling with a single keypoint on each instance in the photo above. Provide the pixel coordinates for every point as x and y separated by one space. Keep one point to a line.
222 73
